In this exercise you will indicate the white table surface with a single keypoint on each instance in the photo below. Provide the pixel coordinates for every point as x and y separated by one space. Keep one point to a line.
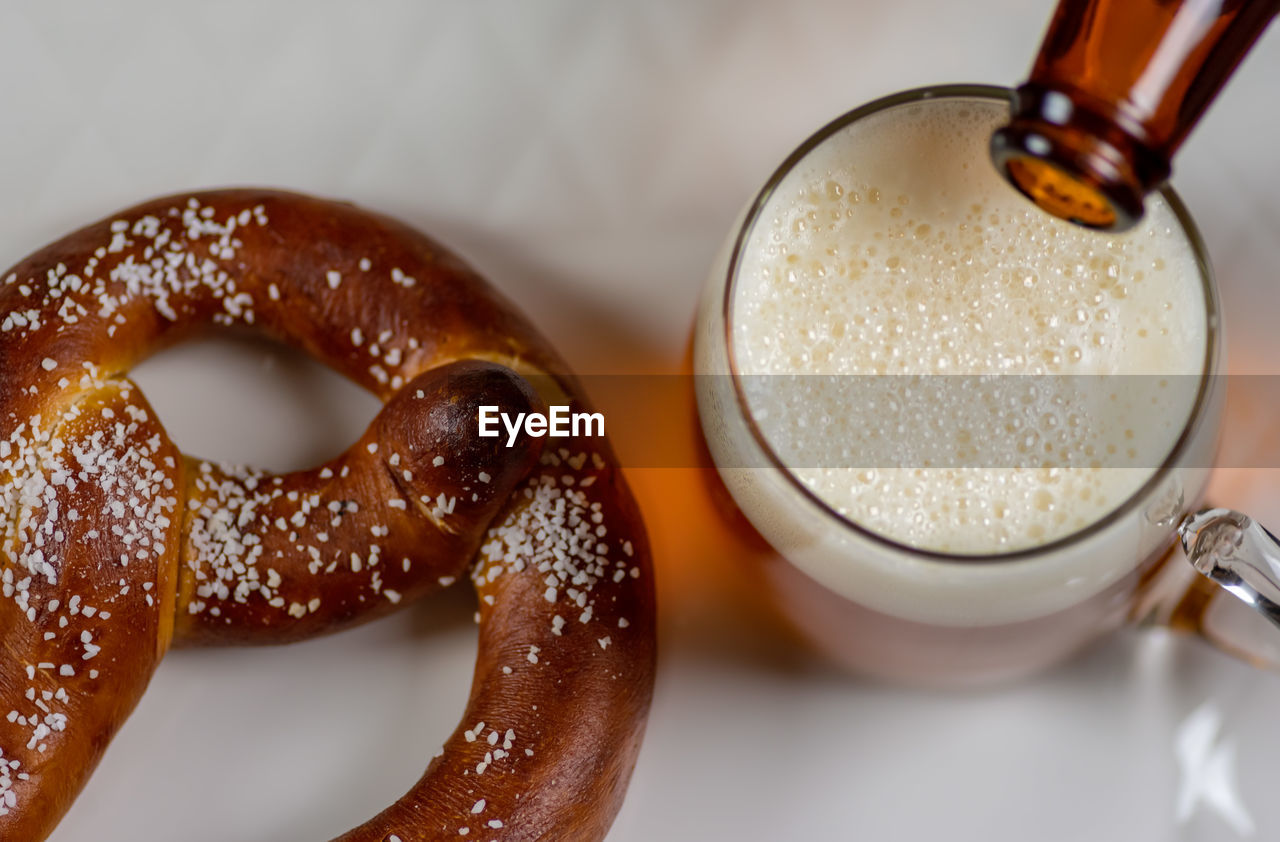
589 156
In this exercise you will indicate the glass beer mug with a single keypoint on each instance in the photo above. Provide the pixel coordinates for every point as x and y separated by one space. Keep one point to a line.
971 433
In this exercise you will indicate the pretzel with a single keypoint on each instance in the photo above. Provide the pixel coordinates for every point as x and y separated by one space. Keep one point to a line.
115 546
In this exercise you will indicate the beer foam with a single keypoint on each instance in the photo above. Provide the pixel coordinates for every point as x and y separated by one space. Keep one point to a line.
895 248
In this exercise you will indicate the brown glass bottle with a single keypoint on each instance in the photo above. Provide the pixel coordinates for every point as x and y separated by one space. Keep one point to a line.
1114 91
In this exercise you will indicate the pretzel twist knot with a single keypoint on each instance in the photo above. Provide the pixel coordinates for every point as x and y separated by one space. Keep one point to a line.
114 546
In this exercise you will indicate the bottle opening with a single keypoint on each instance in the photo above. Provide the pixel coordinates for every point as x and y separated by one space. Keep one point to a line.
1074 163
1060 193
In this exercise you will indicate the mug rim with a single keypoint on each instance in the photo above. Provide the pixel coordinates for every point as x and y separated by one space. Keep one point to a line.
1186 436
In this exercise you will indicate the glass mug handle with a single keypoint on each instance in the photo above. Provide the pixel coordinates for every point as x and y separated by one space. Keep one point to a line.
1230 592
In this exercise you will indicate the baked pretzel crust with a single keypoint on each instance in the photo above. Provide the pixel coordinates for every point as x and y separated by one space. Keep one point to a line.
114 546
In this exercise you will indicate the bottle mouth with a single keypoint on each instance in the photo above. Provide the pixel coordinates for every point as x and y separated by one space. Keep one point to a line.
1061 185
1063 194
1073 163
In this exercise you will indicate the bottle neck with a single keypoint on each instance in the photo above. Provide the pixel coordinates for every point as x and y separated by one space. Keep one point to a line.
1080 163
1114 90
